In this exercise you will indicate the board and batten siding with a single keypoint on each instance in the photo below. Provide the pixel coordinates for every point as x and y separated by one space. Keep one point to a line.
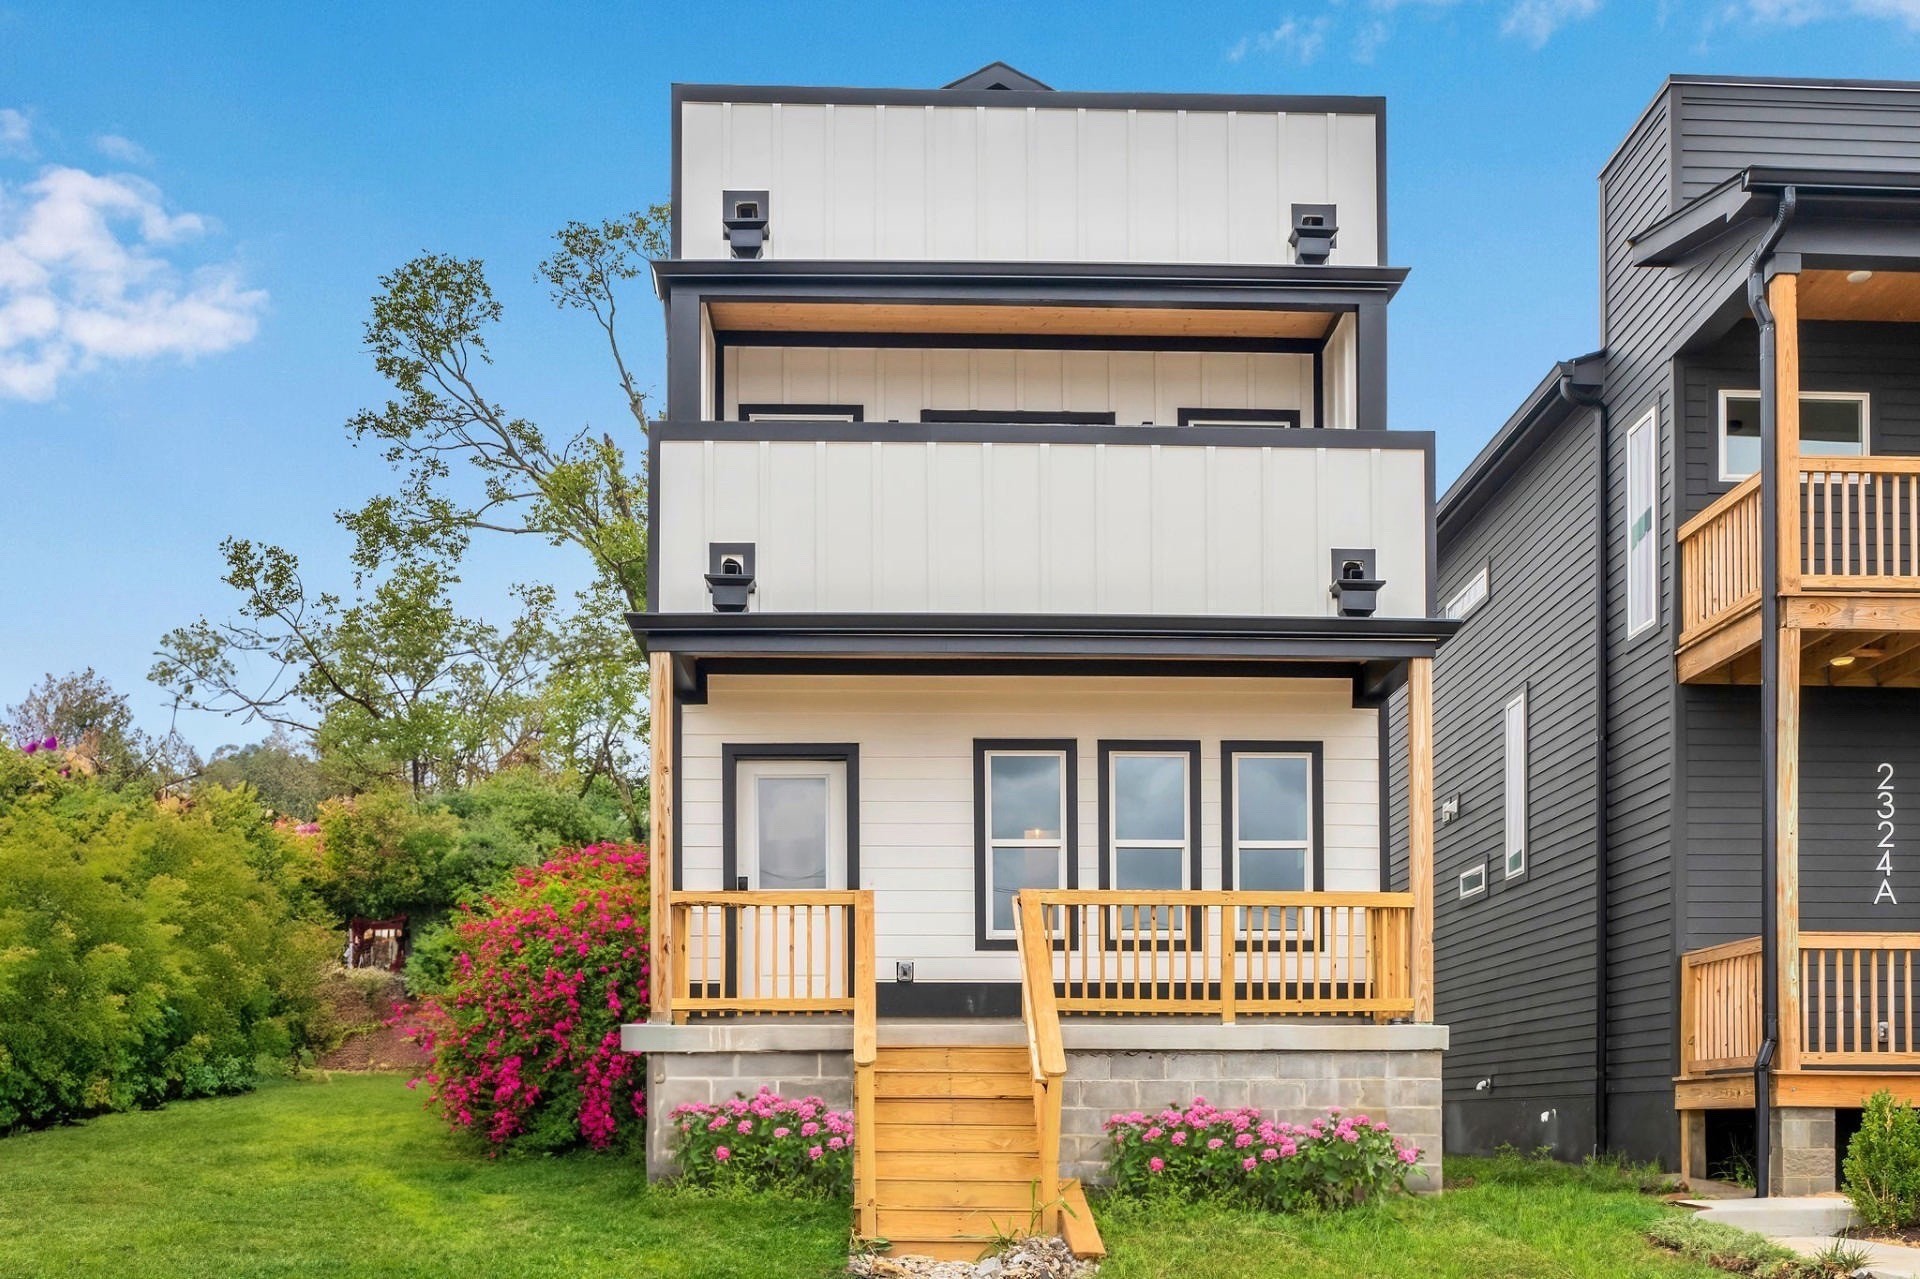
1514 966
916 738
1722 128
1019 183
1037 527
1137 387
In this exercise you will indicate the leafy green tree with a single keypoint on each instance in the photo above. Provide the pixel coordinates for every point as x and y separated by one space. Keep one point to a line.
381 854
94 724
279 769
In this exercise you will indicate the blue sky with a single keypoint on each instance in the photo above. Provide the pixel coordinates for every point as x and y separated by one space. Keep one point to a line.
196 202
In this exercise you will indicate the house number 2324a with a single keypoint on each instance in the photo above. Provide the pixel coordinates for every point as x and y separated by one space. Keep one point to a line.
1884 813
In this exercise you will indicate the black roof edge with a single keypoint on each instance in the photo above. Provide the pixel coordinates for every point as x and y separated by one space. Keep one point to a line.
843 95
841 272
1515 441
1001 73
1750 195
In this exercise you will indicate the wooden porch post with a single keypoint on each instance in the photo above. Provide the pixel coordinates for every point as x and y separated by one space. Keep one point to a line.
1420 829
660 836
1783 296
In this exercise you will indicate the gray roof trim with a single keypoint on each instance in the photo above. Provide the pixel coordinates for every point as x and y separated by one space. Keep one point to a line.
1317 104
1516 440
998 70
1752 193
1283 437
845 273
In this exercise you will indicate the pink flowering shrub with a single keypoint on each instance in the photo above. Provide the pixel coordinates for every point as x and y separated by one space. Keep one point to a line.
765 1142
526 1037
1235 1155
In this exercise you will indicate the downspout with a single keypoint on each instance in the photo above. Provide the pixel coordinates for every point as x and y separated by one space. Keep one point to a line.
1769 692
1602 429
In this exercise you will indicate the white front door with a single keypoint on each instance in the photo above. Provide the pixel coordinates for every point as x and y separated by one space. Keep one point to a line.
792 826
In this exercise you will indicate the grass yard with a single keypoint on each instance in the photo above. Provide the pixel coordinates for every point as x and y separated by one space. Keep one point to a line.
350 1178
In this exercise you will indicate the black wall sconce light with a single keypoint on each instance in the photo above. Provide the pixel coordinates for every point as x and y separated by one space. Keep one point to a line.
1314 229
730 575
1356 584
744 215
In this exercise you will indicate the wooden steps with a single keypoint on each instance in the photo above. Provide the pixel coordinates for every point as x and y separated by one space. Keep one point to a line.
957 1157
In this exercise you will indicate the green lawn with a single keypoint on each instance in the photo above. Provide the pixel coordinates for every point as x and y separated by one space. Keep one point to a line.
351 1178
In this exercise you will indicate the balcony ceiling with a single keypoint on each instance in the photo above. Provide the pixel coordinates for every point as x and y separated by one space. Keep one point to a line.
1884 295
1063 321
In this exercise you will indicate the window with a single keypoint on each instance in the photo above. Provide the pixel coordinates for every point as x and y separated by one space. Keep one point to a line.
1473 881
1468 597
1832 424
1270 816
1239 417
1023 828
1516 785
802 412
1018 417
1150 821
1643 523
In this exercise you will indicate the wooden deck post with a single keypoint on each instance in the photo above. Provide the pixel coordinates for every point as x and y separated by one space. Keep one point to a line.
1783 296
660 836
1420 829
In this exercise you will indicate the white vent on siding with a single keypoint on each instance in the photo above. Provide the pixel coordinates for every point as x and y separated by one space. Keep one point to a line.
1469 597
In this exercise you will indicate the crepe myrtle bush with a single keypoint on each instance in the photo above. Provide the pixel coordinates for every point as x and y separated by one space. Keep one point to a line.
526 1037
1202 1152
765 1142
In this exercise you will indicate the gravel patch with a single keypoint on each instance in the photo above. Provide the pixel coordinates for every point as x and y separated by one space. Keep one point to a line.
1035 1258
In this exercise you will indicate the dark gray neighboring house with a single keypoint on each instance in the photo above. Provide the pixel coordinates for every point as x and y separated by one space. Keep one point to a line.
1664 870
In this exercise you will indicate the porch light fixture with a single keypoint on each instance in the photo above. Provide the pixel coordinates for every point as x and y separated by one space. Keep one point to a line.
730 575
1859 277
1845 659
1315 227
743 215
1355 584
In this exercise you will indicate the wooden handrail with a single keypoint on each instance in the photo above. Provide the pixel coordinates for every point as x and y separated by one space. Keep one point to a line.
1719 552
1229 953
792 951
1045 1050
1720 1007
1859 1003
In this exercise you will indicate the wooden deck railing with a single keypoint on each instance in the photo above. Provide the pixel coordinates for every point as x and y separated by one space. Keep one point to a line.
1857 999
1720 1007
769 952
1044 1049
1857 1003
1230 953
1720 561
1860 523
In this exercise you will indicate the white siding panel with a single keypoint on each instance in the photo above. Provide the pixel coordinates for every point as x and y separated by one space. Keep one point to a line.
916 783
1136 386
1027 183
1170 529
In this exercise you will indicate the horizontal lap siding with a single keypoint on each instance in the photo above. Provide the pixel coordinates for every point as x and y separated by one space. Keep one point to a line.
1723 128
916 777
1137 387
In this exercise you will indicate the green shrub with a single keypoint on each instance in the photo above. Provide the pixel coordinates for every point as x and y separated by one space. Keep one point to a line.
1741 1252
1882 1167
381 854
143 954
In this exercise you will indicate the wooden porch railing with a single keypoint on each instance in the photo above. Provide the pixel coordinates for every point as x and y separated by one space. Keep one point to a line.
1044 1048
1860 523
787 952
1857 999
1858 1002
1720 561
1230 953
1720 1026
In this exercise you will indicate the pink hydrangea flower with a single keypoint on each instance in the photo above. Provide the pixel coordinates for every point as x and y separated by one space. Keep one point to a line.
1156 1164
722 1154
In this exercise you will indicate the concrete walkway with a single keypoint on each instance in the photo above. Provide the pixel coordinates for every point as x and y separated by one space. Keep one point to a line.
1809 1225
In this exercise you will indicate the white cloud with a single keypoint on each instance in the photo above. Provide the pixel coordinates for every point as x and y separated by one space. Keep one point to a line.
1795 13
1300 40
121 149
95 270
1535 21
16 132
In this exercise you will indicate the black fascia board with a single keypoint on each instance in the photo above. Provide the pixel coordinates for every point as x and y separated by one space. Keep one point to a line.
843 96
1751 195
1517 439
1007 283
1284 437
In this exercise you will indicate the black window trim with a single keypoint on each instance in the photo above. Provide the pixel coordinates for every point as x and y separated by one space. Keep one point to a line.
1316 816
782 412
1019 417
1196 837
1254 417
1067 747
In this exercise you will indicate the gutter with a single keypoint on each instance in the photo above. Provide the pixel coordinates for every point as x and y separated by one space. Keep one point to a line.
1769 690
1602 430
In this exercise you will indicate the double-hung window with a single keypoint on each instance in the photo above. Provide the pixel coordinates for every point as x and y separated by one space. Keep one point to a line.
1270 814
1023 827
1150 823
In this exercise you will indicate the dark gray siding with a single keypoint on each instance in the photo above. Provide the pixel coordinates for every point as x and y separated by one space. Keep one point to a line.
1723 128
1881 359
1515 967
1846 734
